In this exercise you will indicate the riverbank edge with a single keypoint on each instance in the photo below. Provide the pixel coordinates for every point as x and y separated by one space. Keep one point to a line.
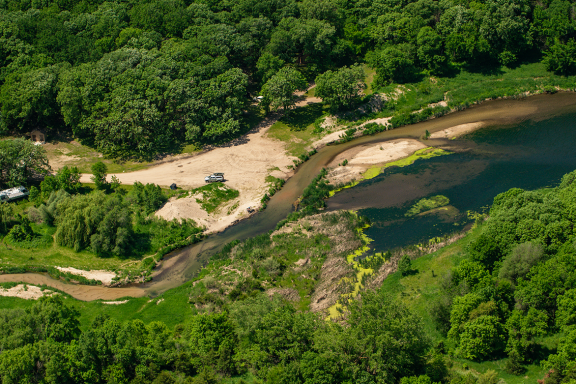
515 97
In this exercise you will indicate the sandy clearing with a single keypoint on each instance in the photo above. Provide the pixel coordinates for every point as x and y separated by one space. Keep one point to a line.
23 291
104 276
362 157
457 130
245 162
115 302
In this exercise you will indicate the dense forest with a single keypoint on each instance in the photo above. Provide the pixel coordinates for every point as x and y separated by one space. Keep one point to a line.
510 295
139 78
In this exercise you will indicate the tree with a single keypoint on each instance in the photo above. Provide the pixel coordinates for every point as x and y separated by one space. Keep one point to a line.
566 314
522 329
6 212
268 65
395 64
279 90
430 52
99 173
340 88
19 160
481 338
405 265
519 262
28 99
384 341
68 179
561 58
22 231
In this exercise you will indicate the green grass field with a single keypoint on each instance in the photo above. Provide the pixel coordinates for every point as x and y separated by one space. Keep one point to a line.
172 307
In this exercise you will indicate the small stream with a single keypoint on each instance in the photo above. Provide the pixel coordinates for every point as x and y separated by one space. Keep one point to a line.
528 144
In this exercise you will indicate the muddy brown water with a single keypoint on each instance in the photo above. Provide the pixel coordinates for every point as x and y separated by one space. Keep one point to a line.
182 265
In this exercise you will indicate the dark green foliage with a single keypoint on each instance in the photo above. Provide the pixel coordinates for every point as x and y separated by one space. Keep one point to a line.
395 63
561 59
340 89
19 160
140 79
21 232
99 173
149 197
95 221
67 179
279 90
405 265
314 196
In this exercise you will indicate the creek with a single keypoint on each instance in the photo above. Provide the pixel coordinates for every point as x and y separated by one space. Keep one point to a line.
526 143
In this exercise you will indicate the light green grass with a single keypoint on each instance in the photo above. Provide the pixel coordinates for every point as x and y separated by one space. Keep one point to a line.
297 128
74 154
214 195
467 88
369 74
171 307
424 205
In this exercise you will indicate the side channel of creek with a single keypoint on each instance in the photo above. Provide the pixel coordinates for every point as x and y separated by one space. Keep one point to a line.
526 143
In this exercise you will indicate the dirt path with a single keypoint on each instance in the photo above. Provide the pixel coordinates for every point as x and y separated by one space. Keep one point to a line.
80 292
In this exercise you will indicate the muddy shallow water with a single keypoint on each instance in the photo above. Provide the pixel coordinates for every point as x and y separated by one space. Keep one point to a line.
459 176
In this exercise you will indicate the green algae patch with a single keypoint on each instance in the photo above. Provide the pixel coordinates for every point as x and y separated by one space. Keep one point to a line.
372 172
337 309
424 205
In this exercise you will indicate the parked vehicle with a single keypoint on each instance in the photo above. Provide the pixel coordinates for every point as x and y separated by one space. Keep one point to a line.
216 176
13 194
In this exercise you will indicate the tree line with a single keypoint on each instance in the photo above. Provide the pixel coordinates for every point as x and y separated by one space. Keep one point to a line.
135 79
517 285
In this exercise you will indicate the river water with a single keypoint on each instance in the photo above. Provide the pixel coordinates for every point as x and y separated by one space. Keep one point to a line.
527 143
528 154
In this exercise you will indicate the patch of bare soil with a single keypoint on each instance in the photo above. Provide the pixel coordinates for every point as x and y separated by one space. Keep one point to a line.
456 131
289 294
104 276
331 285
362 157
115 302
77 291
245 163
24 291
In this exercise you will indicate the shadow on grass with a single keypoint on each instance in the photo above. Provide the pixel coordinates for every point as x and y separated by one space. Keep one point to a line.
300 118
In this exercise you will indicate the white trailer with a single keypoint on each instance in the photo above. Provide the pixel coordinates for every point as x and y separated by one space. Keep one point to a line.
13 194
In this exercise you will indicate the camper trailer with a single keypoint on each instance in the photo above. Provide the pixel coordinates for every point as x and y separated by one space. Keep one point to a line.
13 194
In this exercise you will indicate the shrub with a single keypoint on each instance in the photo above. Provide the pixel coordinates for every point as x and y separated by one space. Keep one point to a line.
405 265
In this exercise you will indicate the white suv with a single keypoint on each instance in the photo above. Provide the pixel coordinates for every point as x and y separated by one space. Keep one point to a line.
217 176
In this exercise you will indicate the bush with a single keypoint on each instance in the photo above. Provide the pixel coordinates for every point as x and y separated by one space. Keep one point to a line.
405 265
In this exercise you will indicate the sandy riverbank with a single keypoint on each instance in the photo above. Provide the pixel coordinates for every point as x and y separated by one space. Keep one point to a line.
457 131
24 291
245 162
362 157
77 291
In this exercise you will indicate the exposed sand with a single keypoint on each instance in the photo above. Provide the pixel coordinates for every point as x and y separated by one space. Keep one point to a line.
104 276
457 130
78 291
362 157
115 302
245 162
23 291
